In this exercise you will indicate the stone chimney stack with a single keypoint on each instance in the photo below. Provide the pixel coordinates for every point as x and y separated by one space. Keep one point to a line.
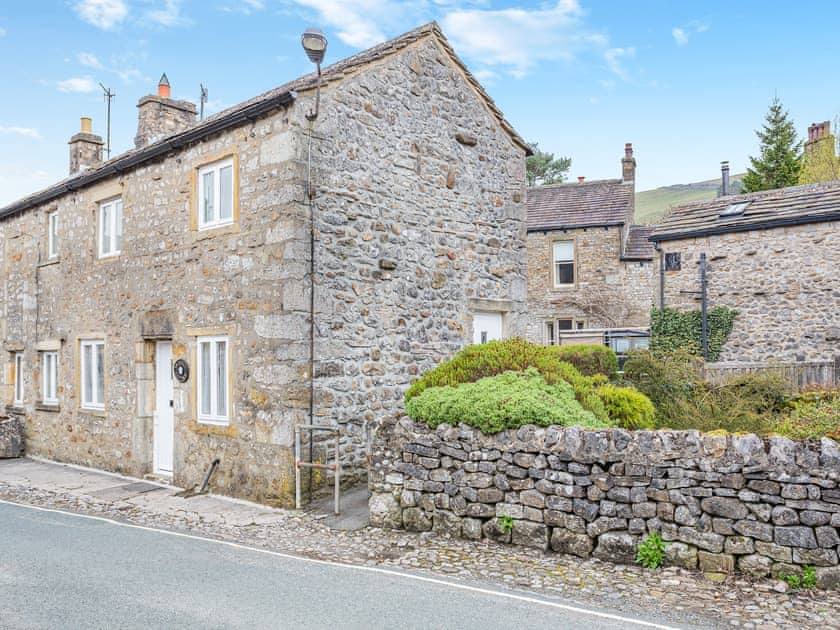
724 179
160 116
85 148
816 133
628 164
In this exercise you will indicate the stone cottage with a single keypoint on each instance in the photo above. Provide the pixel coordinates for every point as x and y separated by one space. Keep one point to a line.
589 265
285 261
771 255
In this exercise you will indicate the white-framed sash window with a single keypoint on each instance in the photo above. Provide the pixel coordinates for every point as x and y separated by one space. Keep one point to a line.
49 378
93 373
563 253
215 194
17 378
52 235
213 382
109 234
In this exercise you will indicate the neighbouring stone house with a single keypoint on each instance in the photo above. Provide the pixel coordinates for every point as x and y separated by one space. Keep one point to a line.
771 255
589 266
291 270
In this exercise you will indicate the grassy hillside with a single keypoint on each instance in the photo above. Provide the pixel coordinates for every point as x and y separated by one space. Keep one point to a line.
651 205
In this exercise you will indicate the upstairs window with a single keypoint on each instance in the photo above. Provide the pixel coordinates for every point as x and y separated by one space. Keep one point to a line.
52 235
49 378
110 228
215 194
17 379
93 373
212 381
564 263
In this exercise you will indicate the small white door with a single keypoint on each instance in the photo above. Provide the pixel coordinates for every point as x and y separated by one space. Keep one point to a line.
164 427
487 327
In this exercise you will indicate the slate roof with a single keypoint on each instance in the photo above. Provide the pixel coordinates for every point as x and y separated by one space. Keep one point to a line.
637 246
254 108
597 203
797 205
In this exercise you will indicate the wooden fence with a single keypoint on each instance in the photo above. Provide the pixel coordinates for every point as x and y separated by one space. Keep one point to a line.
801 373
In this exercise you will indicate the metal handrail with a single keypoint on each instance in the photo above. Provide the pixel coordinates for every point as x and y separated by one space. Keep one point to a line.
335 467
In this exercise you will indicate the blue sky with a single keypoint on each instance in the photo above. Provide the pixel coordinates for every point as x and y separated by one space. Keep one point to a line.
687 82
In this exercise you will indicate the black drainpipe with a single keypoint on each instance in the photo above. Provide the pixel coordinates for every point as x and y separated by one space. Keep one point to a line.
659 249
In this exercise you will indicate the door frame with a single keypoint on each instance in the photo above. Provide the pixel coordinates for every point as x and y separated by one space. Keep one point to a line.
156 424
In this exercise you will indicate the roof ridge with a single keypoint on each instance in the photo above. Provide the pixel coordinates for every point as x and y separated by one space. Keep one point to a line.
616 180
762 194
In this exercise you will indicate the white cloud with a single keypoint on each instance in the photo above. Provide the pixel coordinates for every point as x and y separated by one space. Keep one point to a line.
26 132
104 14
168 15
355 19
594 100
680 36
89 60
519 38
2 32
77 84
614 57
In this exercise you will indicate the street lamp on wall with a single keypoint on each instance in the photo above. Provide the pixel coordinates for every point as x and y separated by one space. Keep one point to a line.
314 42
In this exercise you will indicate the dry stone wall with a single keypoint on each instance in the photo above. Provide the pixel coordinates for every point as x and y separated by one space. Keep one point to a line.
722 502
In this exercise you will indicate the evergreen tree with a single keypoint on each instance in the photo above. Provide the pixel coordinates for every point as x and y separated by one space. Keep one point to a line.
780 153
542 168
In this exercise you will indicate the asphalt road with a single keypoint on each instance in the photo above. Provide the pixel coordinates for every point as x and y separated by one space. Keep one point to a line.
60 570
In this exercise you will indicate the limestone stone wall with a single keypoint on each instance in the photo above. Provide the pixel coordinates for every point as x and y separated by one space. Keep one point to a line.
722 502
608 292
783 282
415 231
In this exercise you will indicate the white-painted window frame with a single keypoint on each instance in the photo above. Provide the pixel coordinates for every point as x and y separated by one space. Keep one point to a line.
52 235
110 216
49 377
215 169
556 261
17 396
216 411
96 400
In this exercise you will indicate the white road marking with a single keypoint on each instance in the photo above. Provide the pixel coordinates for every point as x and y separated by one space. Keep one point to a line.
379 570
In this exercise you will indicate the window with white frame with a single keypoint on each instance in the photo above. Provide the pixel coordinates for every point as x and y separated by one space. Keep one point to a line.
52 235
17 379
213 382
564 263
215 194
110 227
49 378
93 373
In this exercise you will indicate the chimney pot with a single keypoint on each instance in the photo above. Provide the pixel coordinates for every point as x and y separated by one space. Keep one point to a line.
87 125
628 150
724 178
164 89
580 179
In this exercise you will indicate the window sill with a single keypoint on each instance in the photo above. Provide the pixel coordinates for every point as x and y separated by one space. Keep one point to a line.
52 407
108 257
564 287
48 262
210 232
15 410
102 413
202 428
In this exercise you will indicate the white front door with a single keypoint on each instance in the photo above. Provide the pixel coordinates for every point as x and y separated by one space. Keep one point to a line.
164 430
487 327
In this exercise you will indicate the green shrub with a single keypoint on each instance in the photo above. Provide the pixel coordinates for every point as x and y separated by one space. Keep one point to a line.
505 524
683 400
672 330
496 357
589 359
505 401
806 581
811 420
627 408
651 552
